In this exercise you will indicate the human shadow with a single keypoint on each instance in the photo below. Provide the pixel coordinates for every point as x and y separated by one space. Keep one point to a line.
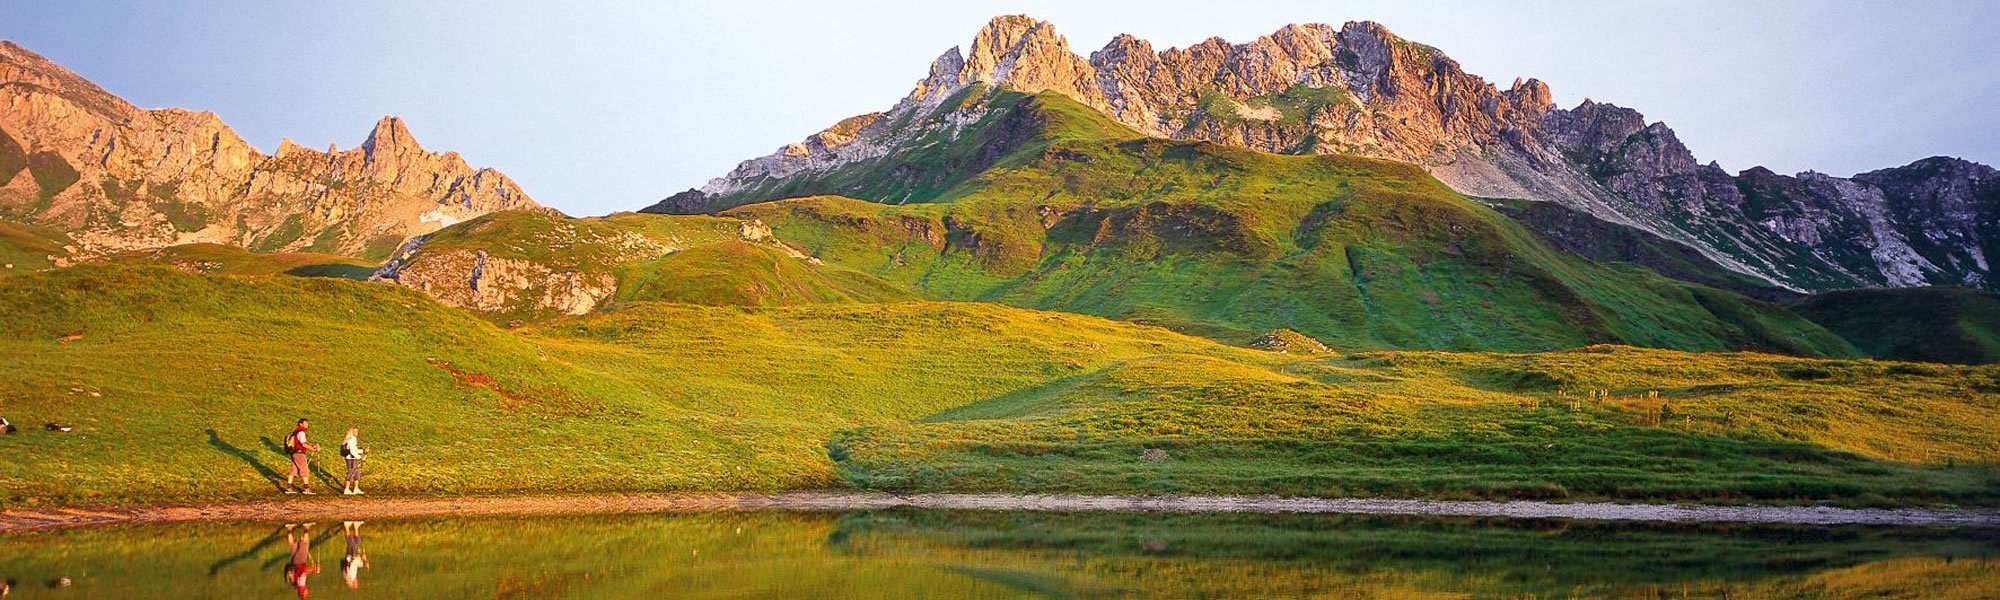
254 550
270 475
324 476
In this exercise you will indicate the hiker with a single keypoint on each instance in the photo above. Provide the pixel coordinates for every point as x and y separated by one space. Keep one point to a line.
351 450
356 559
303 563
298 446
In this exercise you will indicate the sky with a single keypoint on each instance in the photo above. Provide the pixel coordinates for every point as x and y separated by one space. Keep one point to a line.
596 106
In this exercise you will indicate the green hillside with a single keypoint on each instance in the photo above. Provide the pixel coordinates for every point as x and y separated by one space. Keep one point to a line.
235 260
1079 214
1935 324
27 248
741 273
179 384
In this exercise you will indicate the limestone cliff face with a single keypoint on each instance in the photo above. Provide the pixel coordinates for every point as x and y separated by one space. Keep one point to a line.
112 177
1360 89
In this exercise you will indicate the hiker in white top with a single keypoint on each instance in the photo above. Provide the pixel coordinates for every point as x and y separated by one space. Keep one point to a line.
351 450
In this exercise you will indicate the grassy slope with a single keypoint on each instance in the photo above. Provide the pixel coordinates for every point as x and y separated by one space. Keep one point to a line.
28 248
1088 217
1671 425
696 259
457 405
741 273
235 260
1951 325
924 395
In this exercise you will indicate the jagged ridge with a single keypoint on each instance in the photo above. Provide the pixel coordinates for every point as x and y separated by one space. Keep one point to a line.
111 177
1362 90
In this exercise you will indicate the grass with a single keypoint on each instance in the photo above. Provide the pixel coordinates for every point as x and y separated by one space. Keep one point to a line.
457 405
1737 428
283 234
1940 324
741 273
699 259
29 248
222 259
179 384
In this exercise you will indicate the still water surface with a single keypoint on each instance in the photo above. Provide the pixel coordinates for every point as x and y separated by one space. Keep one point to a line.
936 554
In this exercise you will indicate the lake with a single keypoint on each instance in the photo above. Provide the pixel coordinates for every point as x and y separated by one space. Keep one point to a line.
998 554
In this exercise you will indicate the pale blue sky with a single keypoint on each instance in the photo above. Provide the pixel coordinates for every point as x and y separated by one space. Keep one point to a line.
598 106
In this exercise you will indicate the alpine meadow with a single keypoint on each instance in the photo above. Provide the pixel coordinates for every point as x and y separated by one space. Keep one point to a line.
1324 270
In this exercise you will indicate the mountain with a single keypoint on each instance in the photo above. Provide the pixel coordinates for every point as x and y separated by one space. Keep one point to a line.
86 173
1361 90
1040 201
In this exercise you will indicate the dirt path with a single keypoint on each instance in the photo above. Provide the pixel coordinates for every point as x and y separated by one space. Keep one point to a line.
334 507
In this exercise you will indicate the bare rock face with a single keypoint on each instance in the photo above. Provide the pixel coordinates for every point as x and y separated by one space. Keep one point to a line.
478 282
1359 89
115 177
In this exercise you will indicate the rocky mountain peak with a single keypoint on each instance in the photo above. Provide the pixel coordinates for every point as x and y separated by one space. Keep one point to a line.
390 135
1015 50
23 71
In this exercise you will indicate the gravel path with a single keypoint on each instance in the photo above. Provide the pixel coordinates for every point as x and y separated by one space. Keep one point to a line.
335 507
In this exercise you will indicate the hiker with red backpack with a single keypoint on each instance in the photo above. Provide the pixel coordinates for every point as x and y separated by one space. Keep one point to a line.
298 446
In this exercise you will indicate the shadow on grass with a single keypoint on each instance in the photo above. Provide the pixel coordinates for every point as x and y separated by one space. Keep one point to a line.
270 475
324 476
336 270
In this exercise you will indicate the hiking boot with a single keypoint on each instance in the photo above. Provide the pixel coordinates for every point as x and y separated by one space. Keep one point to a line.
309 493
291 491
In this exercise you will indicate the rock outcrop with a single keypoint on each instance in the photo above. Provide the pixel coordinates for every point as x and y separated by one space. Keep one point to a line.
476 281
113 177
1359 89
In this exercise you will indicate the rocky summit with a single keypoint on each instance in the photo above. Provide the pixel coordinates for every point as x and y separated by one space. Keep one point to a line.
1359 89
97 175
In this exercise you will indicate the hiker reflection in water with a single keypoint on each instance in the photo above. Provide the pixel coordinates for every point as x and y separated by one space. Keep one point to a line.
302 564
356 559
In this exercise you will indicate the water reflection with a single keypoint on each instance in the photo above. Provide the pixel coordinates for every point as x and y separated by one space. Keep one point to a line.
904 554
356 559
302 565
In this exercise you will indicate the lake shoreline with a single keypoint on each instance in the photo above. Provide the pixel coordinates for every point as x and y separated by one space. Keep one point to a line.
334 507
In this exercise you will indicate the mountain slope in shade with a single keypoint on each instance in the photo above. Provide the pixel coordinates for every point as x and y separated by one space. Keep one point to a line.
109 176
1939 324
1361 90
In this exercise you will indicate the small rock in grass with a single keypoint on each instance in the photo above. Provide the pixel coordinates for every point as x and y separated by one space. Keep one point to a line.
1154 454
